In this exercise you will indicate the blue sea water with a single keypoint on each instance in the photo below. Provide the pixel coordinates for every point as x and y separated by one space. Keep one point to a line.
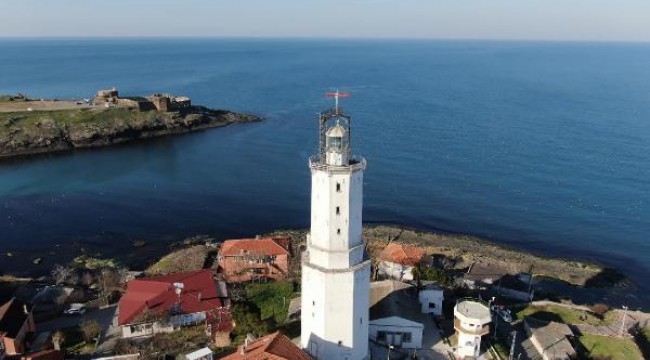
538 145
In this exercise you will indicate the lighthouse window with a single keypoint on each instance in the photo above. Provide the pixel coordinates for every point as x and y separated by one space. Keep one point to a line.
338 210
338 187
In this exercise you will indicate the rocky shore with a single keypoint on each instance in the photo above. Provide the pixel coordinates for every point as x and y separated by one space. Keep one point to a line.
37 132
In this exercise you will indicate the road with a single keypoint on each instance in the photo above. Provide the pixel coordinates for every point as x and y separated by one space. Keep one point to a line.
104 318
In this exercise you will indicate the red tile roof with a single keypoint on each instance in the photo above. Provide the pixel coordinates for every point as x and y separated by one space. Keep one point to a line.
264 246
402 254
158 294
271 347
13 315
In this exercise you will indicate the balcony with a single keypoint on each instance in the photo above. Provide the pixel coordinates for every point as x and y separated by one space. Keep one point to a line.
485 329
316 162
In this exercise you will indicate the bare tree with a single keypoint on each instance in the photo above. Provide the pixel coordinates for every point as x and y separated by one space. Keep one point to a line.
63 274
90 329
58 338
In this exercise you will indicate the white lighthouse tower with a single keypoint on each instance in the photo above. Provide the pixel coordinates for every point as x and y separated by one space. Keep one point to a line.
335 266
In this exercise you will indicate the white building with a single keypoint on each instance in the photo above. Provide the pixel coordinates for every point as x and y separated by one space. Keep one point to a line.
335 267
431 297
397 331
200 354
471 319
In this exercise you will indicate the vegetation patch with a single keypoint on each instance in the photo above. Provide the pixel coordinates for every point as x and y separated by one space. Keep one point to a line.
73 342
272 299
565 315
604 347
155 347
187 259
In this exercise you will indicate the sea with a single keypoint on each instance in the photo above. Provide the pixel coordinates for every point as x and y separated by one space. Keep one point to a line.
540 146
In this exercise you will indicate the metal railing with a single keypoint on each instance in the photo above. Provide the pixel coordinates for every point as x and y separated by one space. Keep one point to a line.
355 163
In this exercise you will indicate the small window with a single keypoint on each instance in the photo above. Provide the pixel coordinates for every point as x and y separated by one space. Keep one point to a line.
432 305
338 210
406 337
313 303
381 336
338 231
338 187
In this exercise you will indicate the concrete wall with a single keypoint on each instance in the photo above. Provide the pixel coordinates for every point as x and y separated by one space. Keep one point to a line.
428 296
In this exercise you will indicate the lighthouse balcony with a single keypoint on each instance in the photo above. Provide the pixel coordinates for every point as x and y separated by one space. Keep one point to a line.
355 163
471 329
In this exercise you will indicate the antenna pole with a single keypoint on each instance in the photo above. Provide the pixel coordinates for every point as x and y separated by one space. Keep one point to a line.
336 101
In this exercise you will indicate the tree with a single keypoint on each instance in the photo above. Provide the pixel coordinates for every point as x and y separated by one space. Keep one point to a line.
422 273
248 320
58 338
110 281
63 274
90 329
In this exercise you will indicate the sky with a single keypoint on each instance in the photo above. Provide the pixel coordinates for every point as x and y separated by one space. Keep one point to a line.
572 20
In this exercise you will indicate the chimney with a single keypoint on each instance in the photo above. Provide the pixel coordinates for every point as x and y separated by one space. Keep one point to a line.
245 347
257 237
199 296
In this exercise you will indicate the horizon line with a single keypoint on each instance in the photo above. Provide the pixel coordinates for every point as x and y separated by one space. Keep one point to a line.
336 38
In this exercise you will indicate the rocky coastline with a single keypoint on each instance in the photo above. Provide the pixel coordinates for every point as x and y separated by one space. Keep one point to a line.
24 133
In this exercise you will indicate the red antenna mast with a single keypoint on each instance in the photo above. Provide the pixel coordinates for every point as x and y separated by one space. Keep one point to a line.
336 95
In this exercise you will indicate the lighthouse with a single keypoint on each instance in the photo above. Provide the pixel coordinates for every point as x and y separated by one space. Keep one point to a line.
335 266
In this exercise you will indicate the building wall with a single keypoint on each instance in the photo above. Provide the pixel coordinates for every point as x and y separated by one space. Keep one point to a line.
468 345
335 239
429 296
395 271
235 267
335 309
390 331
130 331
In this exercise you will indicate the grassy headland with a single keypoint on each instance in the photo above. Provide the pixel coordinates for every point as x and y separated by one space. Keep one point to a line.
34 132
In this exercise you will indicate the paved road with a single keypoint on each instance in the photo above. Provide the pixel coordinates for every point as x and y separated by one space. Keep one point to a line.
102 316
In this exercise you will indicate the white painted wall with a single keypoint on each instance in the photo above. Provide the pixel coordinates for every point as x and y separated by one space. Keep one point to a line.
395 271
335 277
468 345
428 297
129 331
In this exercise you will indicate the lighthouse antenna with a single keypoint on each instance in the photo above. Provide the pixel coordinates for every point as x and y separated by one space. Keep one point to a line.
336 95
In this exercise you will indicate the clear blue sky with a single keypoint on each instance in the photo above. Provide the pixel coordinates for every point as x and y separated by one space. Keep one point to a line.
607 20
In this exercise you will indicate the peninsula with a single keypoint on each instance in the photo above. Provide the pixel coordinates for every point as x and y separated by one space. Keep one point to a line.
29 126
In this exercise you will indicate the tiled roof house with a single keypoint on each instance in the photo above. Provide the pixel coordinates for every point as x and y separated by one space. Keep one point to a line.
397 260
16 322
248 259
271 347
164 303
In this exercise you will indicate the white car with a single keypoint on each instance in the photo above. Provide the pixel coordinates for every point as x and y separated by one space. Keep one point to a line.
75 309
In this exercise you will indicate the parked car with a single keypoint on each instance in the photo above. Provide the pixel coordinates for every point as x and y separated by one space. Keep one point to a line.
505 314
75 309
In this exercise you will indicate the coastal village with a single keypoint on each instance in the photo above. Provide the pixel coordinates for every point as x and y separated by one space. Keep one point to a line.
339 291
